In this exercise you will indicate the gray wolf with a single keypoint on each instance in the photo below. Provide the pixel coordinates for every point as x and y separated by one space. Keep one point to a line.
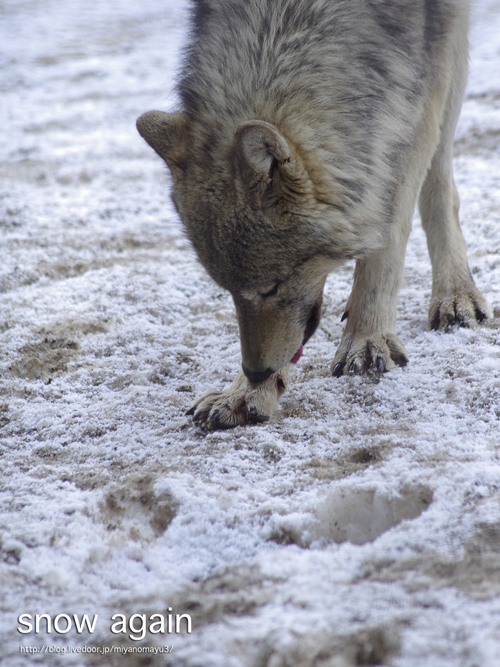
307 132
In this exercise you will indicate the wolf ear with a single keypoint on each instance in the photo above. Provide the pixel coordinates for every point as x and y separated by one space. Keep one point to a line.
167 134
260 144
270 166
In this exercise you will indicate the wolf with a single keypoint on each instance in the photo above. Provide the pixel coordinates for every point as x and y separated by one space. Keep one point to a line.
307 130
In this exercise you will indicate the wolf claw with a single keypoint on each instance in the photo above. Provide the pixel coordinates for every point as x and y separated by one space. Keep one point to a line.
378 354
242 404
464 310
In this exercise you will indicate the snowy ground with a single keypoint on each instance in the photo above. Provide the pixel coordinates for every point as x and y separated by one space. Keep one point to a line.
361 526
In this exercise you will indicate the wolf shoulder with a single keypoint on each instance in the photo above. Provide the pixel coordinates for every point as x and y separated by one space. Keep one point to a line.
261 45
351 83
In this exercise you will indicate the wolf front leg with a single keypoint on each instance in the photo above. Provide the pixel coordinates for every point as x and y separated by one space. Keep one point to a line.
368 341
243 403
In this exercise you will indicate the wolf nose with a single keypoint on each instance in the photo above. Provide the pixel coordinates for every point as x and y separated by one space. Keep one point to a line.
257 376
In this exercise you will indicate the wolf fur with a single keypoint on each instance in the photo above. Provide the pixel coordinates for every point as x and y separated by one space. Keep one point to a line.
306 132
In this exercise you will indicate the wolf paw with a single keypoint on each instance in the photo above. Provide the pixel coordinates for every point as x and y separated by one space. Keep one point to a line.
242 404
360 355
464 310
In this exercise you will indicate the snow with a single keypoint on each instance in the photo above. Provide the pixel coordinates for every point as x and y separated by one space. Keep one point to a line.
361 526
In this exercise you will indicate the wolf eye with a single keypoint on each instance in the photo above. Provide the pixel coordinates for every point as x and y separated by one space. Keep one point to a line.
272 292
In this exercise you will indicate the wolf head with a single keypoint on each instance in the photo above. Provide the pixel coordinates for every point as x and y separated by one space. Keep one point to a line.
252 213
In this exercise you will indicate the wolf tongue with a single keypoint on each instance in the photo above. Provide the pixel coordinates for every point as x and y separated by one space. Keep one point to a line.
297 355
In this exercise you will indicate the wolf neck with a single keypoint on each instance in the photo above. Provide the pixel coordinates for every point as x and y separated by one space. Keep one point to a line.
255 61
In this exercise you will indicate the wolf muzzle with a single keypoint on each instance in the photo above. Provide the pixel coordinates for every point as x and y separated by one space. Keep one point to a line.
257 376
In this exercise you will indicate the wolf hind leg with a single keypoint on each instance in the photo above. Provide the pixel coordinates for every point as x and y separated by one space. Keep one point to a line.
243 403
455 298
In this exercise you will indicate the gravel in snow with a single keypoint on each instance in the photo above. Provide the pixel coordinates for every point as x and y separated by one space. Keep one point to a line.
361 526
